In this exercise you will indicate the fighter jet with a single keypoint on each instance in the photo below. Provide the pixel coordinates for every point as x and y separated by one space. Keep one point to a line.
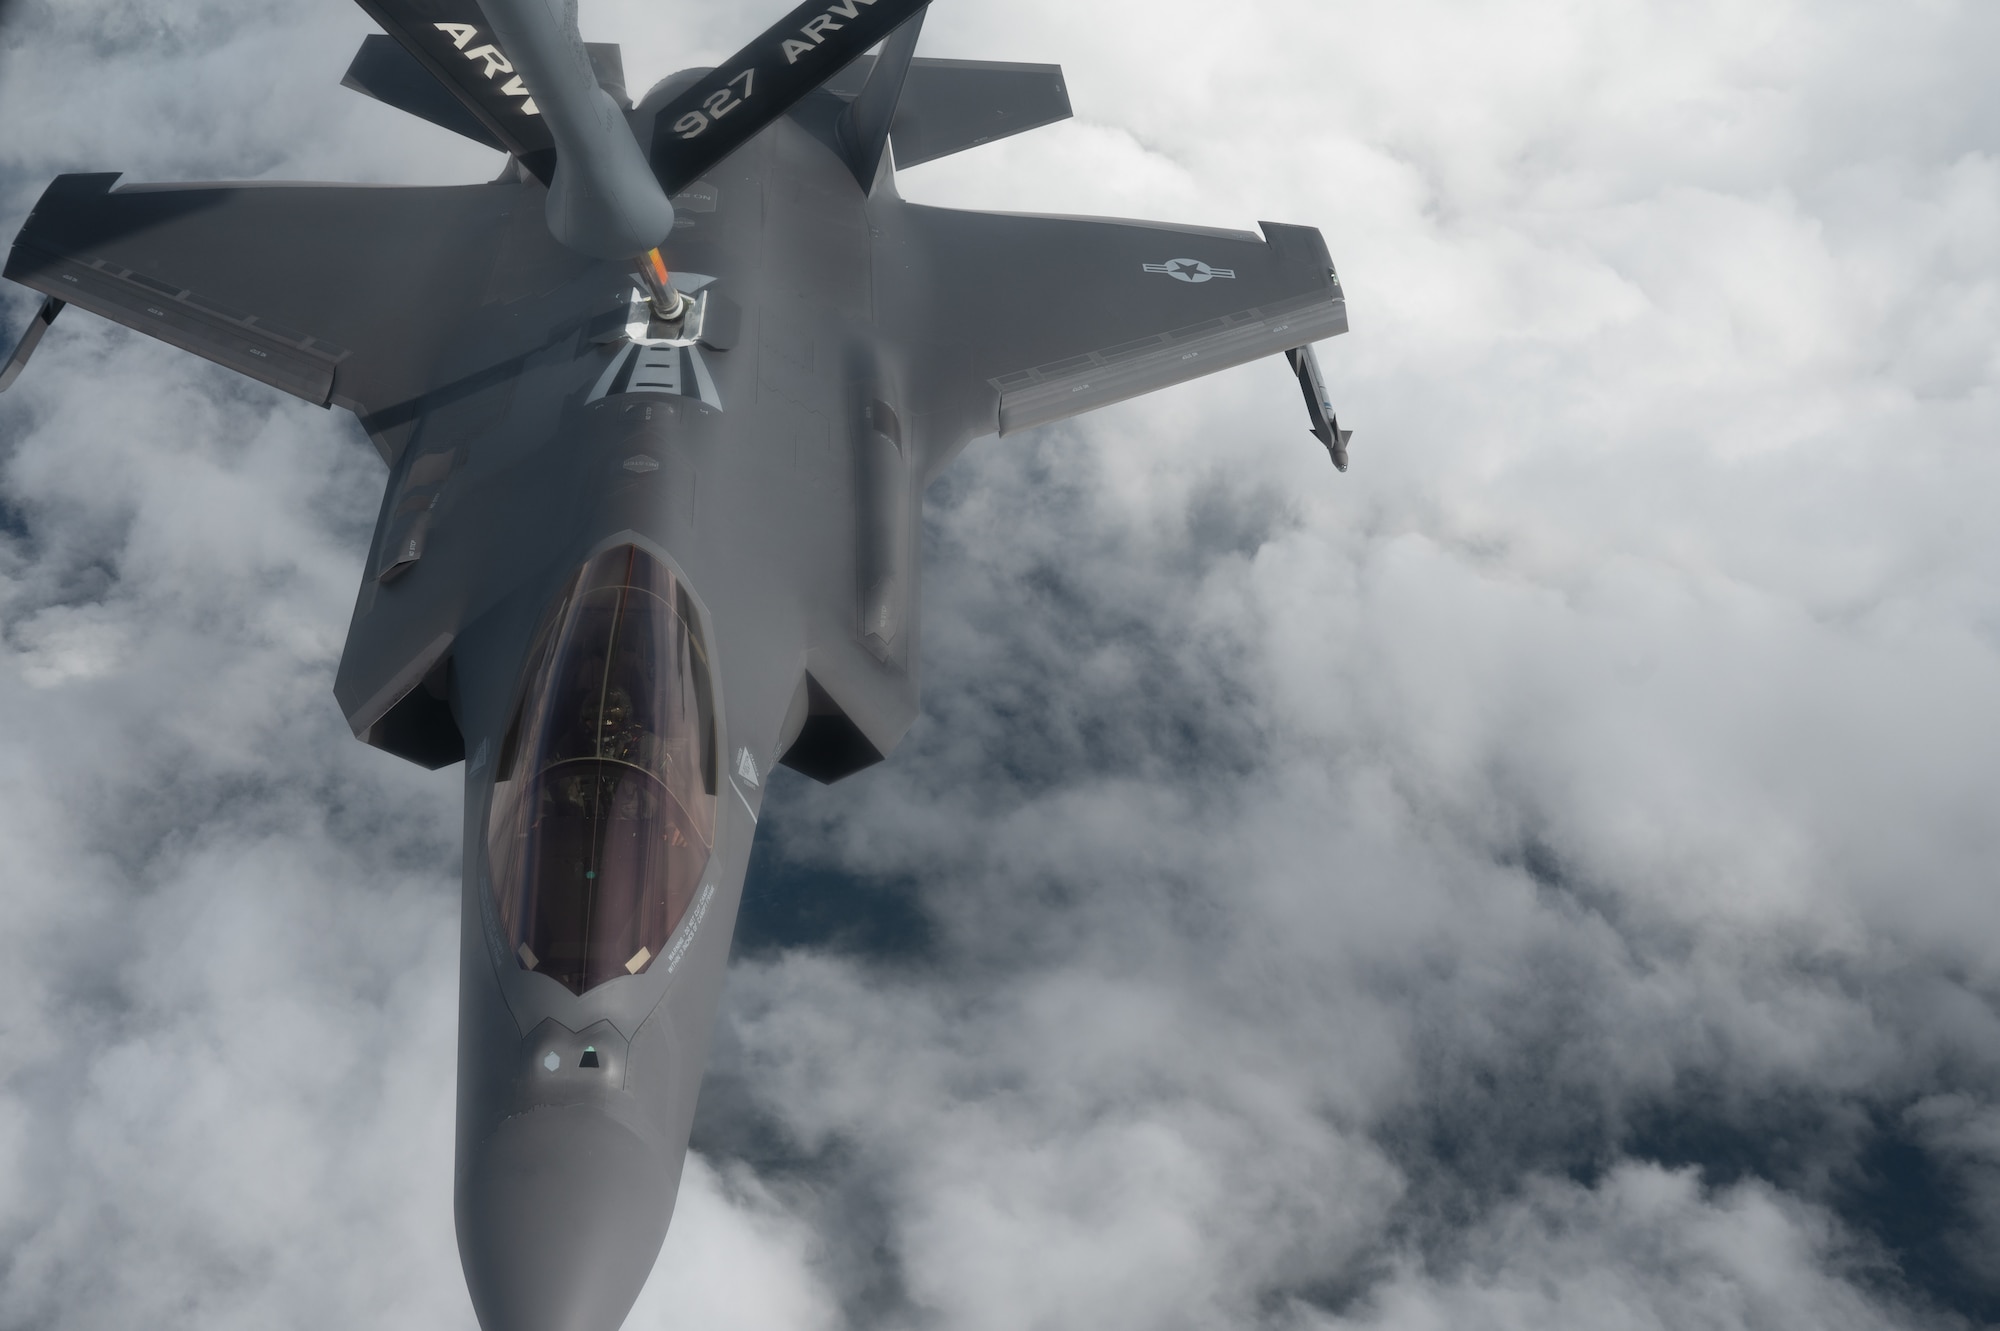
659 406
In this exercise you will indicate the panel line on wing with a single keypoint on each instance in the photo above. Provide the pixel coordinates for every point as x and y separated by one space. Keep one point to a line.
283 357
1078 383
1269 316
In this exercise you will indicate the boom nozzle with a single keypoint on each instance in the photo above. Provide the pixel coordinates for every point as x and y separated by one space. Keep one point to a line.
670 304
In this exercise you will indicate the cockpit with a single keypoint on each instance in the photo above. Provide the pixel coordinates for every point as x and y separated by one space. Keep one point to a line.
603 809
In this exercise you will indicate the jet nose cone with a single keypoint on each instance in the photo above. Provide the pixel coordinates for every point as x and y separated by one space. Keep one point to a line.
560 1217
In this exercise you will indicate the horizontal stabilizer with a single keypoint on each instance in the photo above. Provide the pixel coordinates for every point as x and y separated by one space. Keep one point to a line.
951 105
452 40
384 69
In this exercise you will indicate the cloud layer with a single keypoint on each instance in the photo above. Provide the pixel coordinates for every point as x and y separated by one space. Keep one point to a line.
1541 878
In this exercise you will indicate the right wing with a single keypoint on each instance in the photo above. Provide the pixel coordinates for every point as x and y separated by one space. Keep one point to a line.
1027 320
340 294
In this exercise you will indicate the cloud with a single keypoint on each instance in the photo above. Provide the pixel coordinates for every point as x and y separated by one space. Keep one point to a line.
1646 1247
1543 877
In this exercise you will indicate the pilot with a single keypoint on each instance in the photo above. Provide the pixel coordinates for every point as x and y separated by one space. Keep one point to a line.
618 736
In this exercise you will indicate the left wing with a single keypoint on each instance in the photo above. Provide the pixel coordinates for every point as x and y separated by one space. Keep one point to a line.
339 294
1027 320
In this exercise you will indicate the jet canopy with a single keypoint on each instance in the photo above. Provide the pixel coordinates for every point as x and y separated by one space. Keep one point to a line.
603 808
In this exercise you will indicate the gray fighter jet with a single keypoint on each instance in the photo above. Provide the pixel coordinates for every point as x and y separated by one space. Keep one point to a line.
658 406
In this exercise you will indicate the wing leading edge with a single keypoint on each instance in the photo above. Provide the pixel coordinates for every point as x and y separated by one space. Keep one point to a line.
1040 318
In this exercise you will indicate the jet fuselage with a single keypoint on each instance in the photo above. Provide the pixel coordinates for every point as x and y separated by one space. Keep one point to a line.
772 482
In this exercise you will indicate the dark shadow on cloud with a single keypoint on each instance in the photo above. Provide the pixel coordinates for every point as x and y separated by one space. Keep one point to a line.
1043 611
15 529
1910 1201
795 902
1862 1163
799 903
852 1214
1856 1157
732 1124
1229 518
1486 1121
844 1197
1469 1152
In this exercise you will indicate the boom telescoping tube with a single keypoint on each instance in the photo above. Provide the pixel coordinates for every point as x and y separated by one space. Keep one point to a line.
603 199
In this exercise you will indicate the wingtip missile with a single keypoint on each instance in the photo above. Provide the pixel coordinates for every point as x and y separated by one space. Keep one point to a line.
1325 425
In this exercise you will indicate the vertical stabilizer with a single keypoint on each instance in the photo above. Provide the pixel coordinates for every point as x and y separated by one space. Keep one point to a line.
864 126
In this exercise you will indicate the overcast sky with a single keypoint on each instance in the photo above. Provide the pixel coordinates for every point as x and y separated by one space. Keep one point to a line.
1543 878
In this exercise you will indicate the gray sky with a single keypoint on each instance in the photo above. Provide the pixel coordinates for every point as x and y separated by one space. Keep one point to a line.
1543 878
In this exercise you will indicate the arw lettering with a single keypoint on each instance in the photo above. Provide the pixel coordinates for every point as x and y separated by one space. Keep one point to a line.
816 28
464 34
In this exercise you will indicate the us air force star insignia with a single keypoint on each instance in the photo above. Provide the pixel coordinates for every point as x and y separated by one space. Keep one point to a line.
1189 270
